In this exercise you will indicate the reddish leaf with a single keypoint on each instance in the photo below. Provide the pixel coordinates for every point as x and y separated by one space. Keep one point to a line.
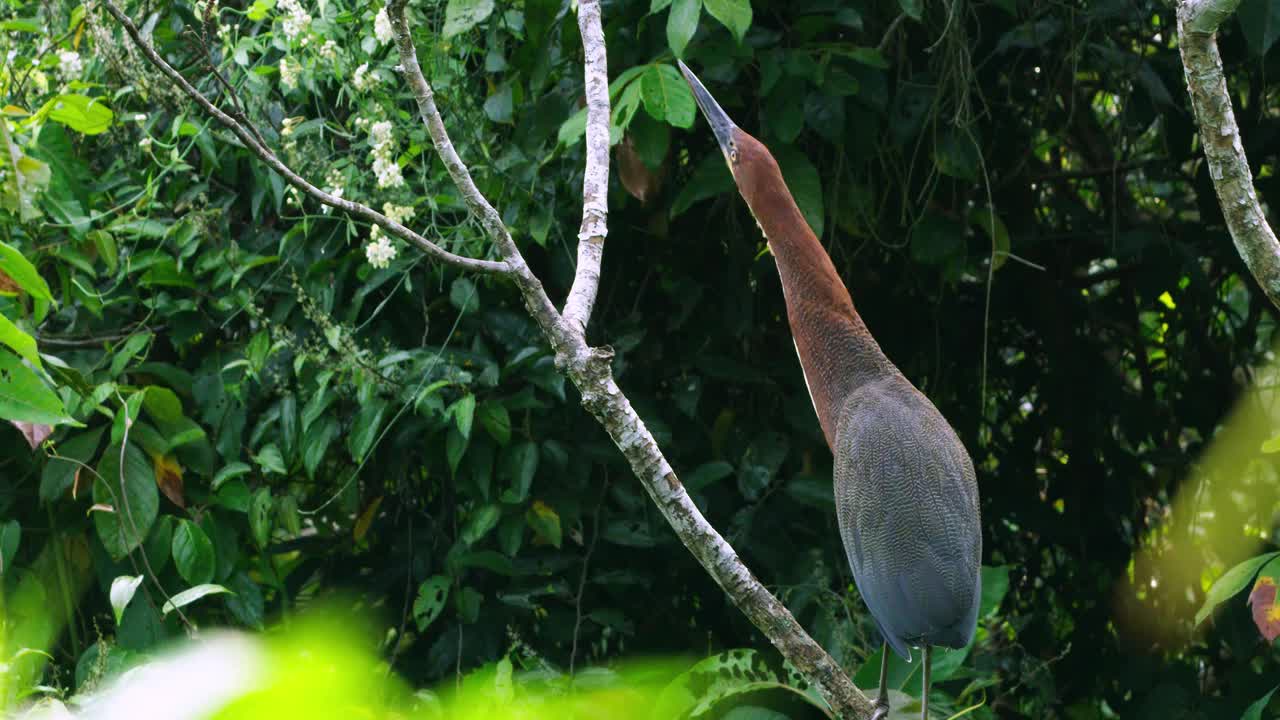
7 284
641 182
33 432
1266 611
169 478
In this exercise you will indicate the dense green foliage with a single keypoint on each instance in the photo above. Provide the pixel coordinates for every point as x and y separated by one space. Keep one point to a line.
294 422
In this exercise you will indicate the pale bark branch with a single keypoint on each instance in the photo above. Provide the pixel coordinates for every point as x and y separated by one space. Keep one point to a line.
595 178
591 372
1254 239
248 138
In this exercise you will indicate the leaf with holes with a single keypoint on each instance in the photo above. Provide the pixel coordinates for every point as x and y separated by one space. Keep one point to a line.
432 595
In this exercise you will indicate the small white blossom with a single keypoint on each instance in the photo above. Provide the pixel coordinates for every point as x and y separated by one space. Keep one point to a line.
69 65
144 143
289 71
295 20
399 213
363 78
380 252
287 127
380 133
388 172
382 27
329 50
140 118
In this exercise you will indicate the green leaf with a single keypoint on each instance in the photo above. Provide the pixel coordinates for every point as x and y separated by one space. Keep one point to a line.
1231 583
10 538
710 178
805 186
480 523
21 271
60 470
667 96
190 595
162 404
122 591
260 517
1254 711
193 553
995 585
464 411
682 23
733 14
518 465
81 113
707 473
496 421
432 595
995 229
270 460
365 429
913 8
545 522
21 342
133 510
1260 23
228 471
936 240
316 442
462 15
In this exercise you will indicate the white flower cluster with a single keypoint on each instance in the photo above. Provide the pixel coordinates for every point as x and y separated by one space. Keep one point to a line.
384 155
333 185
295 20
400 213
364 78
329 50
382 27
380 252
289 71
69 65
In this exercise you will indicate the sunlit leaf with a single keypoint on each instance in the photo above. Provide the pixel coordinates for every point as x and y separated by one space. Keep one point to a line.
190 595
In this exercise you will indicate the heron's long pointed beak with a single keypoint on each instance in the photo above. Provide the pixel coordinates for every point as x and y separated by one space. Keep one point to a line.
720 123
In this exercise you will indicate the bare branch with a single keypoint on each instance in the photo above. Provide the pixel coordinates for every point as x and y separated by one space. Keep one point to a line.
247 138
595 180
1220 138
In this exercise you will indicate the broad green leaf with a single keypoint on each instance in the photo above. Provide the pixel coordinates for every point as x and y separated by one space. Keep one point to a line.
994 228
22 272
480 523
229 471
190 595
462 15
517 466
21 342
936 240
316 442
710 178
131 493
10 538
1231 583
245 601
733 14
995 585
432 595
24 396
122 591
667 96
496 421
270 460
193 553
913 8
464 411
260 517
1254 711
365 429
162 404
805 185
682 23
60 470
81 113
545 522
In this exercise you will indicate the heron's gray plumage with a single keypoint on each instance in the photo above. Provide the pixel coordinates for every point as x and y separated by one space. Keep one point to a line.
907 504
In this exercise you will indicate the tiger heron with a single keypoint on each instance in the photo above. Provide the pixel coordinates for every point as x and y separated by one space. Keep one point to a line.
905 491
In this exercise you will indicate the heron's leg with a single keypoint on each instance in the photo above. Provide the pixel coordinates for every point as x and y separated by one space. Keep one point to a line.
924 696
882 700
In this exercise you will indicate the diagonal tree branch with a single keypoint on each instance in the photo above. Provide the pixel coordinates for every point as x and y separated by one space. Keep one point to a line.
595 179
1198 21
591 372
248 138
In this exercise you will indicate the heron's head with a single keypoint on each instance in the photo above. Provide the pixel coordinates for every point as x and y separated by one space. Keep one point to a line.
753 168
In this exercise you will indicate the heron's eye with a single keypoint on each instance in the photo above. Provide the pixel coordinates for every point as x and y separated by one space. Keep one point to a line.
733 153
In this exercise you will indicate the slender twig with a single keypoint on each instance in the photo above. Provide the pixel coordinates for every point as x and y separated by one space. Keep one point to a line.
595 179
248 139
582 577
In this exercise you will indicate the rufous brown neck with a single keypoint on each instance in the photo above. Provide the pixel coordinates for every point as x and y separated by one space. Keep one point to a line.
837 353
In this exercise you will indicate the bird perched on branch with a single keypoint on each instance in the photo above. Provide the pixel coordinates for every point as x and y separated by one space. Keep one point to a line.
906 496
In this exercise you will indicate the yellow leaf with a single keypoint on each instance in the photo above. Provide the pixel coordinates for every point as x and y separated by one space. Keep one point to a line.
169 478
366 519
